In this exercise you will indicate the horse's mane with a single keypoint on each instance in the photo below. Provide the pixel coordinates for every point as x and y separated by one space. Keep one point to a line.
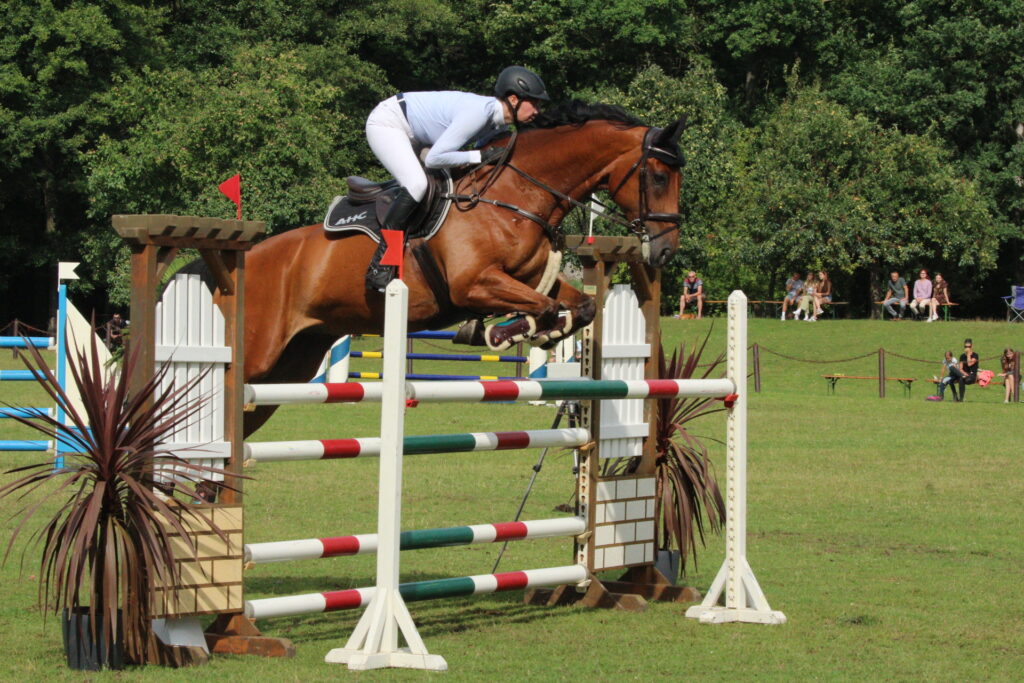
578 112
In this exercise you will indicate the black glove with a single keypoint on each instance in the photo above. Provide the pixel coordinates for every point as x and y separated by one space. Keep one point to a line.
491 156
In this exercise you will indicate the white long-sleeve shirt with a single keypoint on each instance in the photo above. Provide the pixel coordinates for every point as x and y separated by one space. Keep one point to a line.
448 120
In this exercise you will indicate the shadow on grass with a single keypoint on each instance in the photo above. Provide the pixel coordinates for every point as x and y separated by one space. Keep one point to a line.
432 617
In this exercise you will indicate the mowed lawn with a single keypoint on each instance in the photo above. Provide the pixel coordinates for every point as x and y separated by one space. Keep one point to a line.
887 530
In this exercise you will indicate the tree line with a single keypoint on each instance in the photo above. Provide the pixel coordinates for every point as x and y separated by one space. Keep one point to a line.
858 137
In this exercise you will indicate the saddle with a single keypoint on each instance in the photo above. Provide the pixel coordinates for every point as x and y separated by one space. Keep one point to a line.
367 202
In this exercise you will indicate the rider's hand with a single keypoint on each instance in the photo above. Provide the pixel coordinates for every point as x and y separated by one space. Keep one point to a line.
491 156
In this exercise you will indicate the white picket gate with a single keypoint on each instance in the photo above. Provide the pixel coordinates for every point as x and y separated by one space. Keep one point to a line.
624 352
190 334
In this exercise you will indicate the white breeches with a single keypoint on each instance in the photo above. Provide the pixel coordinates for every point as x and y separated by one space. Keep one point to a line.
391 139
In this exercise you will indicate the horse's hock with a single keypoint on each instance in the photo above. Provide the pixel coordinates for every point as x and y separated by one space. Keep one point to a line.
615 513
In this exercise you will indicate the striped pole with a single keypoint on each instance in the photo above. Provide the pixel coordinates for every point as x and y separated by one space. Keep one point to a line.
432 334
436 378
25 445
24 343
363 544
502 390
335 364
355 598
369 447
469 357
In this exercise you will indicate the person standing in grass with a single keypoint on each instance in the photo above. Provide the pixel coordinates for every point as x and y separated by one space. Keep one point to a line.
1009 373
953 375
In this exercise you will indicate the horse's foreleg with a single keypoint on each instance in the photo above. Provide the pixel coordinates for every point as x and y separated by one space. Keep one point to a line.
494 292
581 307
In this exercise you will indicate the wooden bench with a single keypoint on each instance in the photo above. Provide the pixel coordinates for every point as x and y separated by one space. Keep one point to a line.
995 381
945 309
905 382
828 307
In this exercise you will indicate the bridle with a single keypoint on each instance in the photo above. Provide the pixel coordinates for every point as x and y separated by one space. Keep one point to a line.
465 202
636 226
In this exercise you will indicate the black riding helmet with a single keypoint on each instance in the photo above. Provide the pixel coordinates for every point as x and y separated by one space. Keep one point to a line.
518 80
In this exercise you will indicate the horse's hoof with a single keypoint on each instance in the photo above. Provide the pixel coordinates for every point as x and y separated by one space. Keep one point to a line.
471 333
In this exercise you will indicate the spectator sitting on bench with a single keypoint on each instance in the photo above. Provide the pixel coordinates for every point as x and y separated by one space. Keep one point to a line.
922 294
693 290
953 376
809 299
794 285
823 294
896 293
968 367
1009 373
940 296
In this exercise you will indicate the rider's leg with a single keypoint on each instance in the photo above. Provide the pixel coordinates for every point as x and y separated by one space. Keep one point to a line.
378 276
390 138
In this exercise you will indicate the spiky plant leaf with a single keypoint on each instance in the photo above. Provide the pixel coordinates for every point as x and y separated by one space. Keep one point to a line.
110 540
688 502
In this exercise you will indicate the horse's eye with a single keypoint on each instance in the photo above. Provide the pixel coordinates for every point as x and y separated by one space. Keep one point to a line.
660 179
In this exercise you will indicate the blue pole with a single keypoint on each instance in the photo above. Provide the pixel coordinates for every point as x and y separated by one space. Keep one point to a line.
62 362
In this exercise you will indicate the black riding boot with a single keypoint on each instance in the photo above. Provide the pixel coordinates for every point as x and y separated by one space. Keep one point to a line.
403 206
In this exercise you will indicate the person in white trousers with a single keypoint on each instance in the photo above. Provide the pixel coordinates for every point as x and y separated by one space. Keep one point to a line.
445 121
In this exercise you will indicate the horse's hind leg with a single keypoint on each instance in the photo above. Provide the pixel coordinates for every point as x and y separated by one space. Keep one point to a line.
298 363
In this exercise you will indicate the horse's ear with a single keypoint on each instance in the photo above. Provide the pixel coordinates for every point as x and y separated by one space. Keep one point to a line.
670 133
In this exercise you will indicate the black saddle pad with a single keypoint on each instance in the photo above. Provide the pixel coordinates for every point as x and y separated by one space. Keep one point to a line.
364 208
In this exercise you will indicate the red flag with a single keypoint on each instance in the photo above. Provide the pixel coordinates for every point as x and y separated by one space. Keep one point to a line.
393 256
232 189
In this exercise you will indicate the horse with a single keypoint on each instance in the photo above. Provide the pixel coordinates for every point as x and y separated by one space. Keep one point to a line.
305 287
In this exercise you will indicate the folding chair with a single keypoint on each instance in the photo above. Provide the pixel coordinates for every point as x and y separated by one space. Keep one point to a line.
1015 305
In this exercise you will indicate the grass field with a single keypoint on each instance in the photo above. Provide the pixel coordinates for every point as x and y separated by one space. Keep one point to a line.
888 531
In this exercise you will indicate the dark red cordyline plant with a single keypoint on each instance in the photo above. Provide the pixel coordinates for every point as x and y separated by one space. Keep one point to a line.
688 496
110 540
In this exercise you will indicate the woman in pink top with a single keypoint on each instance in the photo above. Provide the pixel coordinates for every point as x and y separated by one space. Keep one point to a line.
922 293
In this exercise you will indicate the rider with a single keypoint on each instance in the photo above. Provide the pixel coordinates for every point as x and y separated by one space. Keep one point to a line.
445 121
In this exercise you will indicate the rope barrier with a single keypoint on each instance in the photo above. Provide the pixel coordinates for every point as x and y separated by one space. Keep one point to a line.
811 360
887 352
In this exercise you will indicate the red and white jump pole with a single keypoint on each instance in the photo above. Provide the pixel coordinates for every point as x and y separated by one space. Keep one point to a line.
362 544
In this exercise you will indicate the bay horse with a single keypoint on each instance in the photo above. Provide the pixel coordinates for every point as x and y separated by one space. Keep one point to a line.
304 287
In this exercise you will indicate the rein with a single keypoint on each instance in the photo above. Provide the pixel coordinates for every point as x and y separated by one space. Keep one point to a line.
465 202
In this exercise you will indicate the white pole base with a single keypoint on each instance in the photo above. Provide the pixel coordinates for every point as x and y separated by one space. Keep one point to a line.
725 615
748 605
358 660
374 643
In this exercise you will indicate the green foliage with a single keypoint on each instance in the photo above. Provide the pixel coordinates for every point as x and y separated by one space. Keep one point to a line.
830 189
282 119
112 106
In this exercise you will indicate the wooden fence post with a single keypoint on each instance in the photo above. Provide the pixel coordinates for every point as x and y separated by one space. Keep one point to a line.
881 373
1016 377
757 368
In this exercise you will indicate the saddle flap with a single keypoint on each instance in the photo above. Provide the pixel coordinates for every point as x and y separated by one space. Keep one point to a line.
362 190
364 208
